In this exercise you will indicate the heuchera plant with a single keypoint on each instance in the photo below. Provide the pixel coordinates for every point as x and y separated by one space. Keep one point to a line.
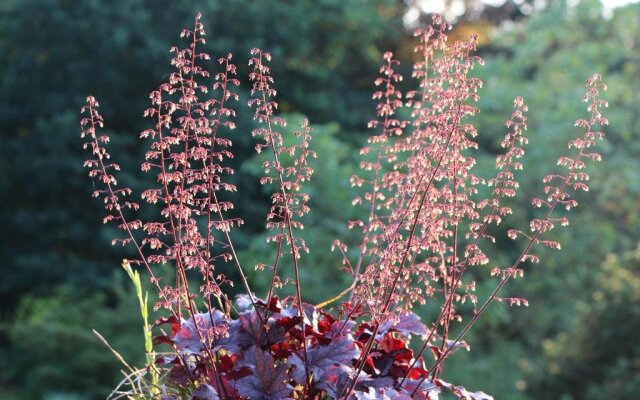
425 227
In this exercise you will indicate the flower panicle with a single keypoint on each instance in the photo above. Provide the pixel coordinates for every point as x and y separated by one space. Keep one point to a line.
504 184
102 169
429 184
287 166
376 174
116 199
189 156
560 187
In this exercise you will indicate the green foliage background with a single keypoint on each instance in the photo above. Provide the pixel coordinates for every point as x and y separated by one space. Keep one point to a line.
60 278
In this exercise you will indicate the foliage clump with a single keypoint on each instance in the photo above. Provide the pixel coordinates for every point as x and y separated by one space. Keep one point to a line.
429 218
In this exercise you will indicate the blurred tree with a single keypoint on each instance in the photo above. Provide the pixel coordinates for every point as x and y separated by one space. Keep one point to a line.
479 17
546 60
465 11
328 50
54 53
599 357
54 350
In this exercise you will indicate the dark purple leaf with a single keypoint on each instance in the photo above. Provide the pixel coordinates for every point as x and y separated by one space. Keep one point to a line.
407 324
379 382
205 392
336 378
460 344
267 381
243 301
339 328
214 328
340 377
251 332
388 393
186 338
464 394
179 375
427 390
311 315
340 351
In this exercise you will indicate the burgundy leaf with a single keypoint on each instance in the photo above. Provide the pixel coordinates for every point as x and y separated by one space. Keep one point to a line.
162 339
281 350
364 331
274 305
393 357
227 362
288 323
239 373
165 320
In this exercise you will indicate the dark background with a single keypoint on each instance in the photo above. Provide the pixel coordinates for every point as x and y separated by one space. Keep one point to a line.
60 277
